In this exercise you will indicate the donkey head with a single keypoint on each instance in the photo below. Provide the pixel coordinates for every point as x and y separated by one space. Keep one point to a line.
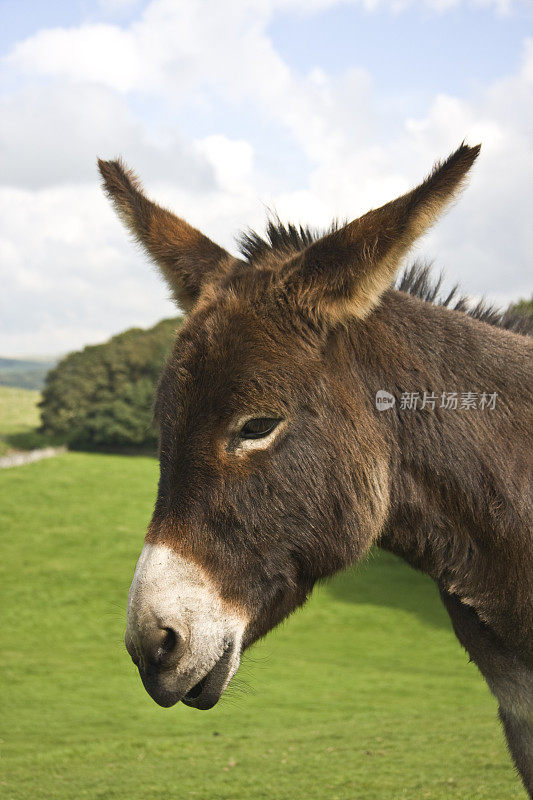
273 473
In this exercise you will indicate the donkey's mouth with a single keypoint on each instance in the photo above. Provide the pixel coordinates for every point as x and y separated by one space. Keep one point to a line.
196 691
207 692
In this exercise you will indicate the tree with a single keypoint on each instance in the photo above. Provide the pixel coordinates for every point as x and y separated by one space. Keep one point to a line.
101 397
523 307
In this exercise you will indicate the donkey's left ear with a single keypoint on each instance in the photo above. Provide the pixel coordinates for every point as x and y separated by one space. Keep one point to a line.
187 259
346 272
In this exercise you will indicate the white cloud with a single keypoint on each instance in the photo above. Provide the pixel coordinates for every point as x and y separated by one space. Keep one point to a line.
53 136
232 161
65 259
102 54
64 271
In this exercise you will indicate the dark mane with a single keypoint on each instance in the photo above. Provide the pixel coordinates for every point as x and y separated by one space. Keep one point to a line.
278 238
418 279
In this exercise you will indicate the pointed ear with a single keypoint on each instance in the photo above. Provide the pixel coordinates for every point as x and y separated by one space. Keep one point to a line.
346 272
186 258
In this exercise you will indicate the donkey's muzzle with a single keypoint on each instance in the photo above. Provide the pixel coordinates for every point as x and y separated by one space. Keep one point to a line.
159 668
183 636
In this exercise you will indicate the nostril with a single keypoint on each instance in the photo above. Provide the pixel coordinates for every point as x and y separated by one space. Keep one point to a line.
169 642
155 646
167 647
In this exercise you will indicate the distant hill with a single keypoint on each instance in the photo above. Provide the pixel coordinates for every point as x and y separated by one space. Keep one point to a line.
24 374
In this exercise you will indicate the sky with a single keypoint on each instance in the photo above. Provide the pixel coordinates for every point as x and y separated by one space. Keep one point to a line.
229 109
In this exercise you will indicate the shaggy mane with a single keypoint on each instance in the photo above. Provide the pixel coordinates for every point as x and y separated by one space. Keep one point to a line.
417 280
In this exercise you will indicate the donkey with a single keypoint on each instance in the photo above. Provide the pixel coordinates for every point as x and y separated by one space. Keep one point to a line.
277 468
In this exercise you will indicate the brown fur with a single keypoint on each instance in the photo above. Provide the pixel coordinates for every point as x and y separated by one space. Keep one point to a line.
310 331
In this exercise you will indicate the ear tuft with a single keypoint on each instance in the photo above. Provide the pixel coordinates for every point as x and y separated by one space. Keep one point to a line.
122 187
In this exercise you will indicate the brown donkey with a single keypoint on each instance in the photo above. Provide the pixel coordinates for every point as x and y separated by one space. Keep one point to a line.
284 456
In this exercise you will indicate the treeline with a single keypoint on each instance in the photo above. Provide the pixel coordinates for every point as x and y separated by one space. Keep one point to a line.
102 396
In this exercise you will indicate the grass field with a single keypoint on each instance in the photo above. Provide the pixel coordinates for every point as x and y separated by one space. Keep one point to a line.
19 419
19 416
363 695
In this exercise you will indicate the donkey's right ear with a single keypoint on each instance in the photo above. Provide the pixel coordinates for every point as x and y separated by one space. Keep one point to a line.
187 259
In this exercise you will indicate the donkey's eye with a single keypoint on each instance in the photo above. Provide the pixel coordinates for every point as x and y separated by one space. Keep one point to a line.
258 428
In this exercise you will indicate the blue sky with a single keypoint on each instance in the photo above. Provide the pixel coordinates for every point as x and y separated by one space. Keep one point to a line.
320 108
414 53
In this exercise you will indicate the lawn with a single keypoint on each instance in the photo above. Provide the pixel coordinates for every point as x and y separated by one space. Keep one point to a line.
362 695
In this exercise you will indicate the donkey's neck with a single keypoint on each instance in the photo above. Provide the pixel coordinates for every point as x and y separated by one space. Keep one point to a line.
459 475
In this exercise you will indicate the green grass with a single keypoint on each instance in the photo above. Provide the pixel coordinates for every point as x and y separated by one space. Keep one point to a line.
19 419
19 415
363 694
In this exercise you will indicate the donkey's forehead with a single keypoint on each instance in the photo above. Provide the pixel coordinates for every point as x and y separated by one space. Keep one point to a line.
244 317
231 351
230 326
